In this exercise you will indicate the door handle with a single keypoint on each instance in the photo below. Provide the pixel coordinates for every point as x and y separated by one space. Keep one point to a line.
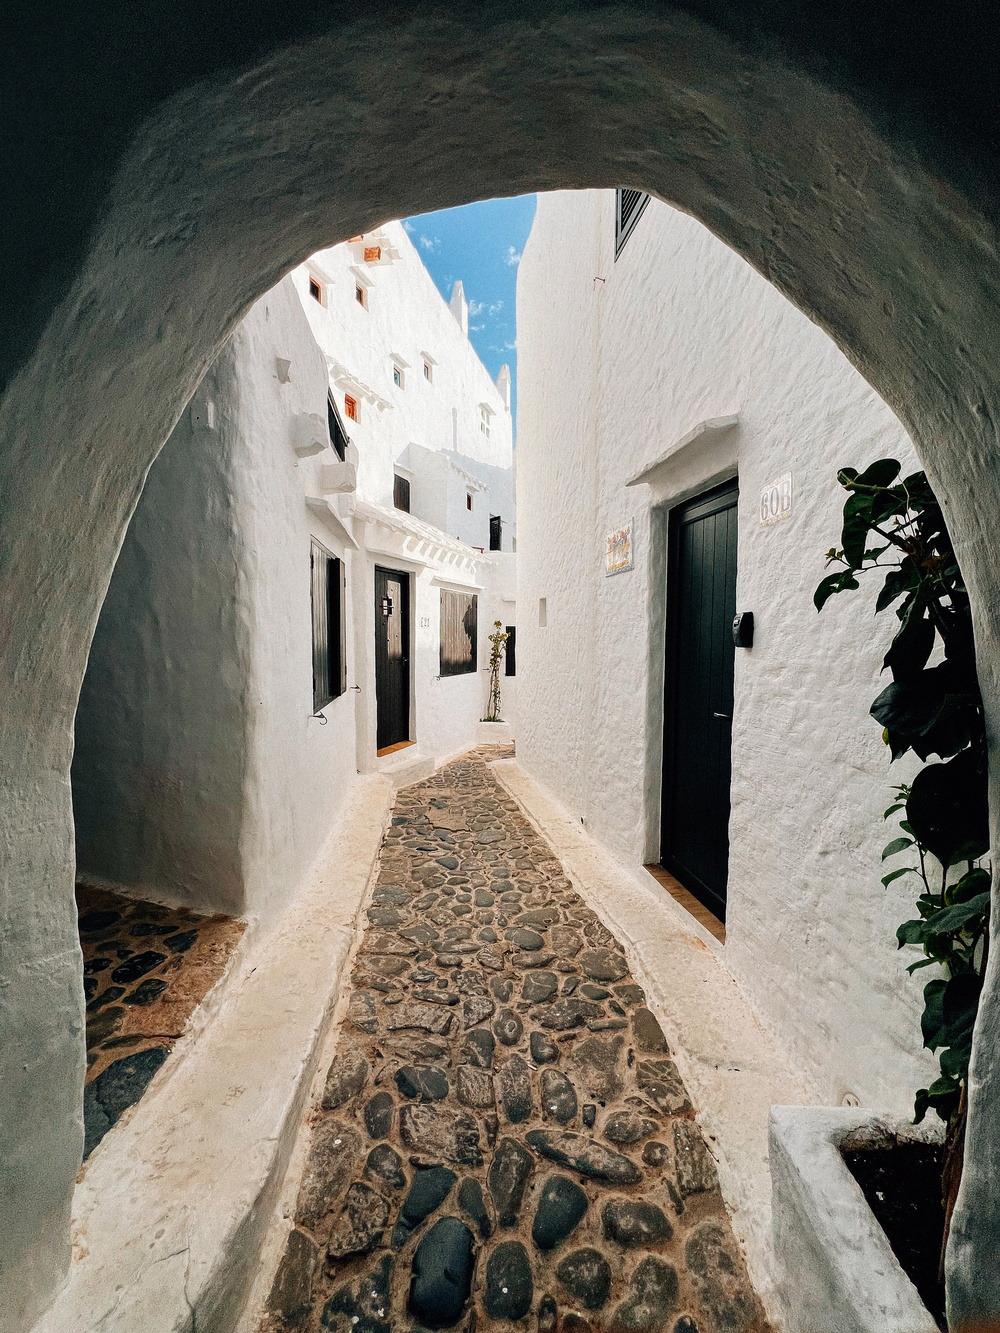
726 717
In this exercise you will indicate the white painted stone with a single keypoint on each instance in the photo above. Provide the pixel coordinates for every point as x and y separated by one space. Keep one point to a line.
837 1273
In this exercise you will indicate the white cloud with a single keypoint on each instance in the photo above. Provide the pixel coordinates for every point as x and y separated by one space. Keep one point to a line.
512 256
475 308
495 308
476 328
430 243
408 226
510 346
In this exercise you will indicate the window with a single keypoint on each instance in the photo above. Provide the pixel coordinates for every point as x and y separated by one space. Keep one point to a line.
401 493
496 532
484 421
427 371
468 500
629 205
543 613
510 657
359 295
315 290
329 649
373 253
350 407
459 631
338 438
397 377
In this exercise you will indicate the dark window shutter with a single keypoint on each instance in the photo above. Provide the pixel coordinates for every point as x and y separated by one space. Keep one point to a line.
336 600
459 632
496 532
510 656
318 560
629 206
338 437
401 493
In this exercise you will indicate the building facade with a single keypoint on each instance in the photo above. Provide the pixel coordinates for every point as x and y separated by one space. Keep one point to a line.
305 591
681 426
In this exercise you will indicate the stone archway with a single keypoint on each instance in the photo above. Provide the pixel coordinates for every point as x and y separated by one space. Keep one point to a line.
234 181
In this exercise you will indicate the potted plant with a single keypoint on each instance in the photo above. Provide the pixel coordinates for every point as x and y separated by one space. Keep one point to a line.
493 730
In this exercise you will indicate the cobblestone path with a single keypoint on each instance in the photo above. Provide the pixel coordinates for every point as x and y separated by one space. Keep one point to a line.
504 1141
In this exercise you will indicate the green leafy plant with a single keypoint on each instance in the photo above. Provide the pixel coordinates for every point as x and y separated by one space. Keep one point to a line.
498 647
933 707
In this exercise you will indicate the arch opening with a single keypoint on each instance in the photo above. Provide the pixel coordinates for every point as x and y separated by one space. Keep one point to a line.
852 229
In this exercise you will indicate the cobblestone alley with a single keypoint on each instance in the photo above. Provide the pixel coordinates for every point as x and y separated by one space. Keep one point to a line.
504 1140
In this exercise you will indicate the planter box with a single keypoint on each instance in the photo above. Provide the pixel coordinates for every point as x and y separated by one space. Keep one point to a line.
494 733
837 1273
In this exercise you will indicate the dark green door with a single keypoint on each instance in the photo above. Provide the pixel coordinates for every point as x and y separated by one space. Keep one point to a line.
392 657
698 712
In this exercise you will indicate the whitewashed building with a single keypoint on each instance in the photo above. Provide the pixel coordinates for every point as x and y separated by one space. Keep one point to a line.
337 496
680 430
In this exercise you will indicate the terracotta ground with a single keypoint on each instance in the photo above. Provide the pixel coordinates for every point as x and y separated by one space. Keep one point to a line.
504 1141
146 968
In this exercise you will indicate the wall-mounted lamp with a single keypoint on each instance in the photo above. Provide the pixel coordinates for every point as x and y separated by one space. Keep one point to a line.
743 629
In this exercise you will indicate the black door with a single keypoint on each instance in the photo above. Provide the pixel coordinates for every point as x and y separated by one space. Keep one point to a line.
698 712
392 657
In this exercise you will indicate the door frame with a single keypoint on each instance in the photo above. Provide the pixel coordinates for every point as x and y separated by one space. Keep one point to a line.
406 580
671 656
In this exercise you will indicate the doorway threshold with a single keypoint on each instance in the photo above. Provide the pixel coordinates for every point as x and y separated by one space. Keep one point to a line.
391 749
689 902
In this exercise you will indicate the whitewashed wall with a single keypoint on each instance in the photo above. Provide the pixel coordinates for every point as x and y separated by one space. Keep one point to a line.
626 362
430 431
200 775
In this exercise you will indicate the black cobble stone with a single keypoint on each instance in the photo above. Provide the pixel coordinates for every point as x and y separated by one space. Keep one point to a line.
423 1081
538 986
586 1274
147 991
560 1209
429 1190
119 1087
652 1296
508 1027
471 1201
442 1273
95 965
508 1282
479 1047
182 942
634 1223
558 1097
378 1115
514 1082
544 1051
507 1178
137 966
385 1164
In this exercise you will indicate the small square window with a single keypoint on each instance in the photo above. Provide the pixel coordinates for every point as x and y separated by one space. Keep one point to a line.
484 421
350 407
397 377
359 295
401 493
315 290
427 370
373 253
468 499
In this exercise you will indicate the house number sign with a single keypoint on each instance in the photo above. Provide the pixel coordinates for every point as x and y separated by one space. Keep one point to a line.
776 501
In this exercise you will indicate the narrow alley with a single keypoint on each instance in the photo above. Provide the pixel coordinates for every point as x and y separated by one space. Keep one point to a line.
502 1133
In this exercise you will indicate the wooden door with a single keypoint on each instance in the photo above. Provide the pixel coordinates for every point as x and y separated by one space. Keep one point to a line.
392 658
698 712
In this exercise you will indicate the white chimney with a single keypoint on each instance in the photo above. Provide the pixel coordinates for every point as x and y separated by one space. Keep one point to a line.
503 385
460 307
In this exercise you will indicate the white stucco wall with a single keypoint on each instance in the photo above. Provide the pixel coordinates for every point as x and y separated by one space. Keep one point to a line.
430 431
200 774
630 359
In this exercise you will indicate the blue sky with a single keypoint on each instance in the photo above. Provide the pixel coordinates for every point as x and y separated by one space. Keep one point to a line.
481 244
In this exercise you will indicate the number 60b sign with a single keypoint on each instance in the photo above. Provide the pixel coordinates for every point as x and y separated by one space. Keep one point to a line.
776 501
